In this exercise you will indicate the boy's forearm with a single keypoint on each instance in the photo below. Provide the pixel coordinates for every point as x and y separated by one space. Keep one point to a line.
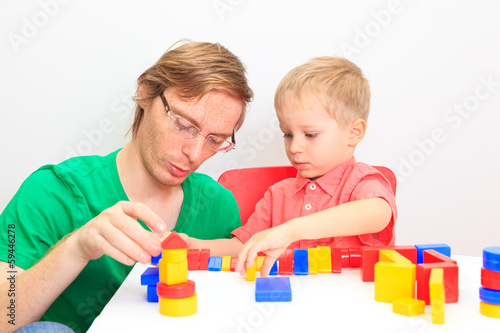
352 218
218 247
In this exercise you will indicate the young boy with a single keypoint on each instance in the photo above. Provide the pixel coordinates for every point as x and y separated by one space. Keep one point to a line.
322 107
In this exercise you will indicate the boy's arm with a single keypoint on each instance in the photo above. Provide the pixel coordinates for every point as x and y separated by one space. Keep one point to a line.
218 247
348 219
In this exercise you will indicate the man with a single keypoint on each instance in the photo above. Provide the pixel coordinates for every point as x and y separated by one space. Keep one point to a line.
80 225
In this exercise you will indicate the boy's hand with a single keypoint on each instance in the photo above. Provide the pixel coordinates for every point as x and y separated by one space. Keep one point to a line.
272 242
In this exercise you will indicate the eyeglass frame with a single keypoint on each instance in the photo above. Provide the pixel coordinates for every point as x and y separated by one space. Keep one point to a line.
232 143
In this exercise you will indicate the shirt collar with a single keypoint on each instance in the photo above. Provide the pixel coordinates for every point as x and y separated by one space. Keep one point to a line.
328 182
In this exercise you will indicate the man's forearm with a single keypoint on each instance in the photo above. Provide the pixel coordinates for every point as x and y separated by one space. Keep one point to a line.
38 287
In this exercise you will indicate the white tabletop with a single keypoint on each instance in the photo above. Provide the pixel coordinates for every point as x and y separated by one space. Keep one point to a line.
323 302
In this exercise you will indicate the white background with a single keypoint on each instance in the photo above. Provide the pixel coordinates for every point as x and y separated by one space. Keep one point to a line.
68 70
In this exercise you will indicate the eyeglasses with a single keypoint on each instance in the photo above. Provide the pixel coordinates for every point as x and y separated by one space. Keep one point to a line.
190 131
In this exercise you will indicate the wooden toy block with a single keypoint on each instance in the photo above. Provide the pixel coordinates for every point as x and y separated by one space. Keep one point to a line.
174 255
392 256
491 258
173 272
433 256
226 263
408 307
250 272
490 279
273 289
214 264
180 290
193 258
346 257
450 281
394 281
490 310
234 261
286 262
441 248
312 256
174 241
324 259
489 295
336 260
155 259
178 307
436 291
274 269
370 256
300 262
260 260
151 276
204 255
355 257
152 296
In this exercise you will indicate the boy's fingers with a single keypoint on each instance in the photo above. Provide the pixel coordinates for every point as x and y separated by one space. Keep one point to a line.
267 265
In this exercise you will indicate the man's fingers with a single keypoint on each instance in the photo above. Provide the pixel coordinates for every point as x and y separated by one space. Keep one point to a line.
142 212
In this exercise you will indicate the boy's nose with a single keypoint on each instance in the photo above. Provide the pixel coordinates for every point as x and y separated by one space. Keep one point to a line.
295 146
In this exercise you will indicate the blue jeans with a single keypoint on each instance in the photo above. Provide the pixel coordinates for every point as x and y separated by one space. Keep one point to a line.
45 327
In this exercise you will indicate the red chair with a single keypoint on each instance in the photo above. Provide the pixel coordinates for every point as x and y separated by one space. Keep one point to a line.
249 184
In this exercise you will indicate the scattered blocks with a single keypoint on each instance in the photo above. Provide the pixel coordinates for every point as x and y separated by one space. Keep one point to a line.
193 258
408 307
394 279
489 293
250 274
214 264
441 248
203 259
226 263
436 291
286 262
234 261
370 256
273 289
301 262
450 280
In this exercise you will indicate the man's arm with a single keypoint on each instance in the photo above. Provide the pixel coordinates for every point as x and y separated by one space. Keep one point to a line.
114 232
348 219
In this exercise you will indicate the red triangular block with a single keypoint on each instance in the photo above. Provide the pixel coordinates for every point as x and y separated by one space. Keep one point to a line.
173 241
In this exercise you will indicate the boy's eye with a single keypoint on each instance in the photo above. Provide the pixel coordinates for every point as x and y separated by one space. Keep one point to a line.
287 135
311 135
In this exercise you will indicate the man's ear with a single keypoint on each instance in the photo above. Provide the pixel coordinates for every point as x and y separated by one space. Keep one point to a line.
141 95
357 131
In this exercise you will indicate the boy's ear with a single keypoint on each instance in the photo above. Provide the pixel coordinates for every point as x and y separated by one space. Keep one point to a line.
357 132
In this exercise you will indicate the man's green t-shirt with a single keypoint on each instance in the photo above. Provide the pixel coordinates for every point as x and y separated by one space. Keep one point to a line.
58 199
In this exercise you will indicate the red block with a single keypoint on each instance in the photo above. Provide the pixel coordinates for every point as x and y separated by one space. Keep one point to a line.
286 262
450 281
355 257
193 258
234 261
204 254
490 279
433 256
369 257
336 260
174 241
180 290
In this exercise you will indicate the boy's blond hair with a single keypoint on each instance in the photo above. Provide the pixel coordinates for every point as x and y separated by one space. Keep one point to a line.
338 83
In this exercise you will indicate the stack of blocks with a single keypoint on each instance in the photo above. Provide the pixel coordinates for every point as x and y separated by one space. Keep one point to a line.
399 267
489 292
176 294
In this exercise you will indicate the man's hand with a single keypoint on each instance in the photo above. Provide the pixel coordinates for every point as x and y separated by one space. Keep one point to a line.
116 233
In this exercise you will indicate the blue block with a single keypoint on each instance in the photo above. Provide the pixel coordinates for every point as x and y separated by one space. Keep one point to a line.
151 276
491 258
152 294
273 289
274 269
214 263
300 262
155 260
441 248
489 295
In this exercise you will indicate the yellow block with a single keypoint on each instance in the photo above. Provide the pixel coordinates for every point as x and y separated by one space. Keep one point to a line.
178 307
174 255
409 307
436 295
394 281
490 310
324 259
250 276
392 256
226 263
260 260
312 255
173 272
